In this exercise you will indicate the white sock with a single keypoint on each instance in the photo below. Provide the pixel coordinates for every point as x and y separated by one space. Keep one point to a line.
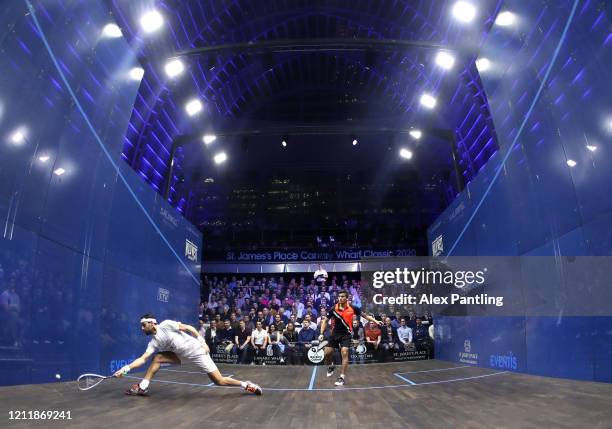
342 375
144 384
243 384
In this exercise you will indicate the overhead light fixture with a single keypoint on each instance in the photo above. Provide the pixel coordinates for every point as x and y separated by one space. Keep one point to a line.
112 31
355 142
571 162
193 107
209 138
151 21
464 11
284 143
59 171
591 148
44 158
416 134
405 153
445 60
220 158
505 19
428 101
18 137
174 68
483 64
137 73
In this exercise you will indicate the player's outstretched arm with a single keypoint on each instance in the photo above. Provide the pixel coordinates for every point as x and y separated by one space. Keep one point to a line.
193 331
135 364
371 318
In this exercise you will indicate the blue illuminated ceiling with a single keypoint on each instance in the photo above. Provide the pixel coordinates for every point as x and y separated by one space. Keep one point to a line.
243 88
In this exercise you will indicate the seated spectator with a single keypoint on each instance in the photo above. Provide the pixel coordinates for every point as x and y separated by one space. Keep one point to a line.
278 348
259 340
305 337
211 336
234 322
372 335
421 334
242 339
226 337
388 337
358 339
202 328
267 317
278 321
396 320
284 315
404 334
291 337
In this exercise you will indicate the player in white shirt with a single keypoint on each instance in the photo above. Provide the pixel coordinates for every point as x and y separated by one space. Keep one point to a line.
173 342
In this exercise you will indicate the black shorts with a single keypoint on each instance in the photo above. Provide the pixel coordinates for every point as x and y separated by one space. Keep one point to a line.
339 340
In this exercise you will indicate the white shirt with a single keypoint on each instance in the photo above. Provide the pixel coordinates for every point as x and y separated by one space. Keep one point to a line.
320 275
404 333
169 339
259 336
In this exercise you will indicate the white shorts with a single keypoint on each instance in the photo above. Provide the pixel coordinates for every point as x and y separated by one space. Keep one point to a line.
204 362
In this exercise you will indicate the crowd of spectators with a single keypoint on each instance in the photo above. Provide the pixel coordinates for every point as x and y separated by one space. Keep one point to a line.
281 316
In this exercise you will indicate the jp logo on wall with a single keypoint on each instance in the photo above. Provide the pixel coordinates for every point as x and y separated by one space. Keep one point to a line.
191 251
437 246
466 356
163 294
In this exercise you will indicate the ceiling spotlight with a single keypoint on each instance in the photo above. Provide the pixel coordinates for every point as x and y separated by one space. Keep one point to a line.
591 148
571 162
59 171
355 142
428 101
209 138
151 21
416 134
445 60
137 73
405 153
112 31
221 157
18 137
174 68
505 19
483 64
44 158
464 11
193 107
284 143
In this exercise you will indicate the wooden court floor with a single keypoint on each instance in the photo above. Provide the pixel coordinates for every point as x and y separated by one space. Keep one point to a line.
424 394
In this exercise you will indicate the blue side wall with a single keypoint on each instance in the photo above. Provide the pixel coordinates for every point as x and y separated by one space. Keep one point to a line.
538 204
79 251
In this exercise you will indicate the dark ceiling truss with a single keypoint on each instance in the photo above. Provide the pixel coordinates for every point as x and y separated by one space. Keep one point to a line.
302 71
229 42
248 20
445 134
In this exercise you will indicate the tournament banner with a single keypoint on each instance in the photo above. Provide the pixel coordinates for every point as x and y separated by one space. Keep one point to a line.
221 355
306 255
